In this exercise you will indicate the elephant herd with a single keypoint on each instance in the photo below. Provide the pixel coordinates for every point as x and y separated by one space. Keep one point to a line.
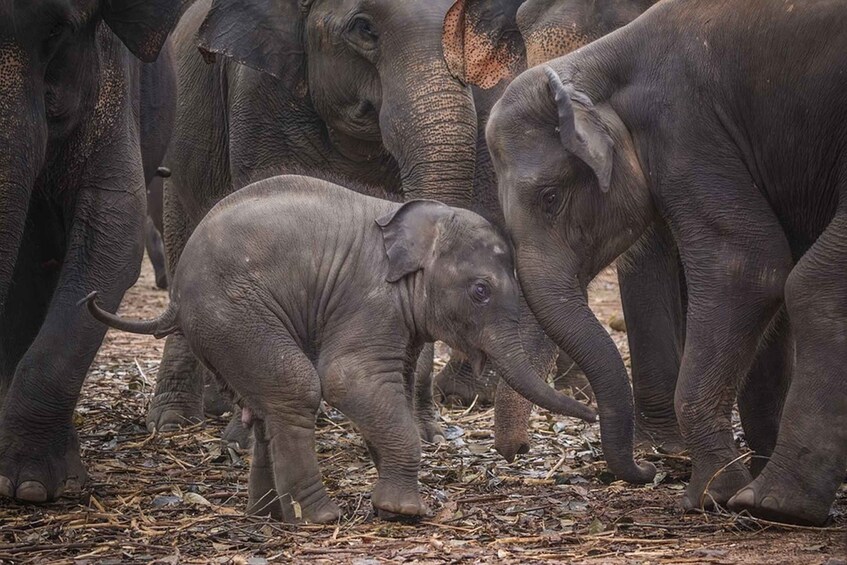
457 170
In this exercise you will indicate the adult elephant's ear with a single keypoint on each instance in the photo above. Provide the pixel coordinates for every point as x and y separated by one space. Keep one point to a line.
265 35
482 43
143 25
581 129
410 235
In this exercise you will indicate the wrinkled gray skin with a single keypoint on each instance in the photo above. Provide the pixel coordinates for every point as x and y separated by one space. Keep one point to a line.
335 294
651 280
591 151
158 111
71 213
487 43
353 91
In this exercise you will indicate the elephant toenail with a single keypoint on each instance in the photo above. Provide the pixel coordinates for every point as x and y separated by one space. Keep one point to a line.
31 491
6 489
745 498
439 439
770 503
73 485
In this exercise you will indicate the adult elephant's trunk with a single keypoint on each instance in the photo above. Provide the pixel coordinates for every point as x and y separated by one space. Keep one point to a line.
427 117
23 136
512 411
564 313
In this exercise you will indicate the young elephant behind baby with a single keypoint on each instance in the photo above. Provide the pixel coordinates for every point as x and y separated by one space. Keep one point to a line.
294 289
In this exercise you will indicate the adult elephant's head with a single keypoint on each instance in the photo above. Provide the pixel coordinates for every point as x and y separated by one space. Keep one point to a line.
574 197
374 72
552 29
50 76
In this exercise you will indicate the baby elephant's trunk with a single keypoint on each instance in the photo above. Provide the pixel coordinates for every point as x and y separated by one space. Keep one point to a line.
159 327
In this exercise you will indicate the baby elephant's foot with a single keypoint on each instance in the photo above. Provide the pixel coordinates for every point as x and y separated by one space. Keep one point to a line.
397 503
782 501
718 489
324 511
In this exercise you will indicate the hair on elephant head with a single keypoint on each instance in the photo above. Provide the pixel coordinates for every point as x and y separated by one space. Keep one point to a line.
371 69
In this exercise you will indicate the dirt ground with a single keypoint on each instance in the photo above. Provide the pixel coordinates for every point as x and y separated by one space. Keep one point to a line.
180 497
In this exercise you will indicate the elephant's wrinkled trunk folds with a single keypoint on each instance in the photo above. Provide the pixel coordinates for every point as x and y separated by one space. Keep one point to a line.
506 351
564 313
23 140
428 119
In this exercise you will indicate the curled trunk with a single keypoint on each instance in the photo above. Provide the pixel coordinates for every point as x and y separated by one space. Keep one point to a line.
564 313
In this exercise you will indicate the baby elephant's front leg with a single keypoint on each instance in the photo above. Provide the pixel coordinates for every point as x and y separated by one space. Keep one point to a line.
382 413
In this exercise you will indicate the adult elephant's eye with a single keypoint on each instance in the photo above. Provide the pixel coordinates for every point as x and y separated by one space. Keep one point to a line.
362 33
481 293
55 36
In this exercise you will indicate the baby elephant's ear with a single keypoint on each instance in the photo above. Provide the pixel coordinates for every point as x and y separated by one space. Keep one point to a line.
410 234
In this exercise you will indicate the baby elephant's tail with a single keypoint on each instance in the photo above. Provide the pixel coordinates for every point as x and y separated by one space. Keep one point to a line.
159 327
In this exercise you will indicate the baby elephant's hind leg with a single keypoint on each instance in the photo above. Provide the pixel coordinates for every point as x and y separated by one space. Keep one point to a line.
263 499
279 385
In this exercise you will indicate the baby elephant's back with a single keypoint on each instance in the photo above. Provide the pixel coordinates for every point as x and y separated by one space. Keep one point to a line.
278 227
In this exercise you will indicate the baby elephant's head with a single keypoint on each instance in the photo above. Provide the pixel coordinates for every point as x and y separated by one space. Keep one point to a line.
465 275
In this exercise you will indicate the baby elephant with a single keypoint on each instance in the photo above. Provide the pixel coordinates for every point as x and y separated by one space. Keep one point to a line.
294 289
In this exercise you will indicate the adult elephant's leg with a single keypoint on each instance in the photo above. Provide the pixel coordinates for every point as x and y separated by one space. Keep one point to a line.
801 479
763 392
426 412
458 385
735 288
178 398
649 276
35 277
39 449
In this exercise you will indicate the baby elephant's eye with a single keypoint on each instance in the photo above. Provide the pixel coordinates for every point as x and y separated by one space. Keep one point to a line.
481 292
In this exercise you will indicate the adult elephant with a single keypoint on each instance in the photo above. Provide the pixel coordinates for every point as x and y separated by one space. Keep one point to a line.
483 51
71 213
356 92
487 44
608 143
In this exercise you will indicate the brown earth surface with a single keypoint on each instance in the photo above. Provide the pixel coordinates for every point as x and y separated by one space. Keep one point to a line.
180 497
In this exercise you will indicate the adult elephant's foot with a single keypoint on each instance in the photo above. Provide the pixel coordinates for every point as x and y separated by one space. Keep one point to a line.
457 385
784 496
170 412
236 433
215 403
713 485
395 503
659 433
42 471
570 376
178 399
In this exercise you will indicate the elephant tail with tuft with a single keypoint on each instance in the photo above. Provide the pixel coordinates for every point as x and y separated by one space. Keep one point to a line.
160 327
